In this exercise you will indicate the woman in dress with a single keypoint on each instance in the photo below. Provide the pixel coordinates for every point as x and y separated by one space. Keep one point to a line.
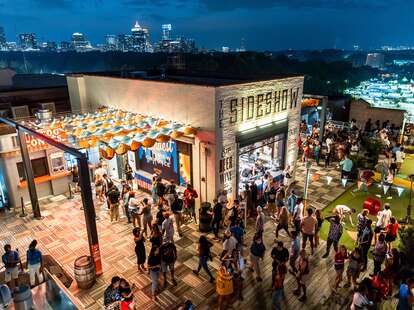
128 175
139 248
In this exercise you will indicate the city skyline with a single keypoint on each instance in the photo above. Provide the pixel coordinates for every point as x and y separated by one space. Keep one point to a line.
215 24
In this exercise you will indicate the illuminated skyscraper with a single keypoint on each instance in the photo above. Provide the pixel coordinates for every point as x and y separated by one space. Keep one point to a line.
375 60
140 39
166 32
79 42
111 42
27 41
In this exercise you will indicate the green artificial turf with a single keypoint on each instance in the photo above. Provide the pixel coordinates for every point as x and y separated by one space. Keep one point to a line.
354 198
407 167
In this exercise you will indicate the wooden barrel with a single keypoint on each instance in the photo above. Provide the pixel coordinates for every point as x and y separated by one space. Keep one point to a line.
224 283
23 299
84 272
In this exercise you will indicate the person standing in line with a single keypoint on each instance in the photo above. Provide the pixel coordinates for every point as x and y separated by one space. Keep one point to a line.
170 192
302 275
260 220
129 175
294 250
365 242
154 265
361 222
257 251
283 221
217 218
113 198
204 255
308 227
319 219
11 260
168 253
229 243
339 265
139 248
177 208
298 214
334 234
34 263
280 255
160 190
190 196
125 198
134 208
379 253
146 216
384 218
356 262
168 227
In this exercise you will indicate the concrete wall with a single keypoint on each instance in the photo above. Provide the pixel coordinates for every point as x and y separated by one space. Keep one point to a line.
246 107
362 111
189 104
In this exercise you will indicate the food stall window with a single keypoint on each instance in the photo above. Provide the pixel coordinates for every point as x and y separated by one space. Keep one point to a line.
39 166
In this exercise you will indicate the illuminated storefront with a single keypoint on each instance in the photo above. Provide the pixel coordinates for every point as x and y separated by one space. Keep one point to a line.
232 118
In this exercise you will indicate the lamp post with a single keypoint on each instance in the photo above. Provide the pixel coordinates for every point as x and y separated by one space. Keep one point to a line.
308 166
408 218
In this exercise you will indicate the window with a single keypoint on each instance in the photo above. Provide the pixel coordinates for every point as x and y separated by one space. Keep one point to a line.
39 165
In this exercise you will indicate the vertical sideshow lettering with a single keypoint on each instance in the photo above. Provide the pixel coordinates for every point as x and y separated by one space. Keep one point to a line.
233 111
259 108
221 114
284 99
250 107
294 98
268 105
242 110
276 103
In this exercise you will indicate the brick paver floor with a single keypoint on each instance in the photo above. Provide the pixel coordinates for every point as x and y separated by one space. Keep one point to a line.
62 234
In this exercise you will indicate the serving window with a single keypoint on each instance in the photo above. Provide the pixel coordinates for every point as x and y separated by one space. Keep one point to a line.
39 166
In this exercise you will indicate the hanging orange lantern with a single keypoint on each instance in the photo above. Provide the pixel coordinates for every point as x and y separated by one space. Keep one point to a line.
188 130
148 142
162 138
176 134
135 145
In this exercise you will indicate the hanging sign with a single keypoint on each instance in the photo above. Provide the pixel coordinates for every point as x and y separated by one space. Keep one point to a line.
400 190
344 181
55 134
385 188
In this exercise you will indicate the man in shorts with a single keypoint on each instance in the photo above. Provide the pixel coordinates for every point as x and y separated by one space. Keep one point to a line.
308 227
11 260
167 227
168 253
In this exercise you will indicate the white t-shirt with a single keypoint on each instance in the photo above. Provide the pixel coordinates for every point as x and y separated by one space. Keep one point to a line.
399 156
168 226
100 172
342 209
298 212
133 204
359 301
230 244
384 218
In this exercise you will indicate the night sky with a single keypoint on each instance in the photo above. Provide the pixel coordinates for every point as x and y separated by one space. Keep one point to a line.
265 24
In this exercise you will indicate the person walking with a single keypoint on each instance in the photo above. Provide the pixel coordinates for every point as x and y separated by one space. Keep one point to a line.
308 227
190 196
154 265
146 216
257 251
334 234
34 261
379 253
113 198
217 218
177 208
294 250
168 253
291 203
134 208
365 242
298 214
339 265
139 248
283 222
391 232
280 255
168 227
160 190
11 260
204 255
260 220
356 262
302 275
170 192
